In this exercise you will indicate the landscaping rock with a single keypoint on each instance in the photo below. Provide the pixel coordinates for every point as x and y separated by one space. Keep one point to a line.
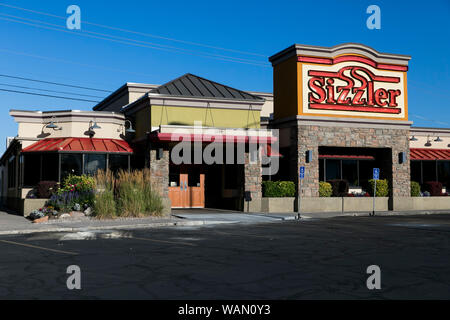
76 214
40 220
64 216
88 211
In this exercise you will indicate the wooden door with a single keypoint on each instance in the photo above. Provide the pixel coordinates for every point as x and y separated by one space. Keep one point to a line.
189 191
177 194
196 198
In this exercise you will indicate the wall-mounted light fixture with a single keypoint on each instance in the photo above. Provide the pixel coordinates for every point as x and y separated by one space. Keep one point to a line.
130 128
438 139
159 153
413 139
94 125
428 144
308 156
402 157
52 125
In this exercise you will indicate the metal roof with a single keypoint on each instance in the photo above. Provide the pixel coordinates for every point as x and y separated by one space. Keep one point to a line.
190 85
429 154
80 145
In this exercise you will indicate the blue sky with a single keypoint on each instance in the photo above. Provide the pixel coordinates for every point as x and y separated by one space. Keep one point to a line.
259 28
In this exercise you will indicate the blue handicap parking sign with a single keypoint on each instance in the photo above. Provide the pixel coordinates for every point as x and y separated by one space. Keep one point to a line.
376 173
302 172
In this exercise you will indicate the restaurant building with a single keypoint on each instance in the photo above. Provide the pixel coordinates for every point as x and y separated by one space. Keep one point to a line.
338 112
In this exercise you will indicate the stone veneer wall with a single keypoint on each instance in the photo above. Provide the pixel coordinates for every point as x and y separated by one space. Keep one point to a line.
310 137
159 170
253 178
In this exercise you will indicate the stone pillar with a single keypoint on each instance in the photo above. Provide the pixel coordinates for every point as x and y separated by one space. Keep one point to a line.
401 178
159 172
252 183
307 141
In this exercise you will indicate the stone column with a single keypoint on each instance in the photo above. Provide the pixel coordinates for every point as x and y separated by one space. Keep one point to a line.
401 179
252 183
159 172
307 141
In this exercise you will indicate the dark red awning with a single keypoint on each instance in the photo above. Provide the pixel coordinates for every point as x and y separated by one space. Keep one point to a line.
345 157
176 137
270 152
429 154
80 145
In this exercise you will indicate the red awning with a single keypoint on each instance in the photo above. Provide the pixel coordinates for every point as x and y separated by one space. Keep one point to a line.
429 154
80 145
345 157
270 152
176 137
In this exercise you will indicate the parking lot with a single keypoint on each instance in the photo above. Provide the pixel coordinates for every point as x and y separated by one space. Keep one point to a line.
307 259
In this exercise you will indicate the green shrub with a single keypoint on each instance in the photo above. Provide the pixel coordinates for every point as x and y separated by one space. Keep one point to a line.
415 189
382 188
325 189
278 189
81 183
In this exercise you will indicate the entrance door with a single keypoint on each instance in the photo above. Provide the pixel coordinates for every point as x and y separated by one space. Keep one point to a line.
187 189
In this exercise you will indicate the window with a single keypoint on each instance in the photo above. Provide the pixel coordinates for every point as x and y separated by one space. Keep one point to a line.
174 176
70 164
321 169
32 169
416 171
350 171
93 163
444 173
194 177
333 169
117 162
12 172
429 171
50 167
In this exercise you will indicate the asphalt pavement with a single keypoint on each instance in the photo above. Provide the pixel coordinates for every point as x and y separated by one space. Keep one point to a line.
306 259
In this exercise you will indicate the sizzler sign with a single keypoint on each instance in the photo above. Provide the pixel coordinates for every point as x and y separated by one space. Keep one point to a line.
353 88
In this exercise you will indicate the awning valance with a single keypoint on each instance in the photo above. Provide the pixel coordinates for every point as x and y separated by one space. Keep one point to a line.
80 145
345 157
429 154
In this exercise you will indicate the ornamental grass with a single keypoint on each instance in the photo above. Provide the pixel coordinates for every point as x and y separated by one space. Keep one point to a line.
126 194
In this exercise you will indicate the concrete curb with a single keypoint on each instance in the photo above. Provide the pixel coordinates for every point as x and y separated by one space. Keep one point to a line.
324 215
116 227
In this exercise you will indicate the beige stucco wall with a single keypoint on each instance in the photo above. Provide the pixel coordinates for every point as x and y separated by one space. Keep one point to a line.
73 123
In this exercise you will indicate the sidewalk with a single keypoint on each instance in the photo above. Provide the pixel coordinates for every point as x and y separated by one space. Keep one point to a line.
14 224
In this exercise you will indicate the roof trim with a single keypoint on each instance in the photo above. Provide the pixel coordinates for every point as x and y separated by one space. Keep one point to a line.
341 49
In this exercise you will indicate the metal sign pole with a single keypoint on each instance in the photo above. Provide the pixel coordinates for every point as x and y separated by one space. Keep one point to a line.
376 176
301 176
374 195
299 198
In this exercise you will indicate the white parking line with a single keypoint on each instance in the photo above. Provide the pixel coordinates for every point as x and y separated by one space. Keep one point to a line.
38 247
165 241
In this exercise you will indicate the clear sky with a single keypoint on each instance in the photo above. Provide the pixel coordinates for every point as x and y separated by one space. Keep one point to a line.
247 31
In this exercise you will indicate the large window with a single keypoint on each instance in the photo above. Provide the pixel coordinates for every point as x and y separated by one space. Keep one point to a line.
50 166
32 169
350 171
12 172
117 162
70 164
94 162
429 171
444 173
416 171
333 169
